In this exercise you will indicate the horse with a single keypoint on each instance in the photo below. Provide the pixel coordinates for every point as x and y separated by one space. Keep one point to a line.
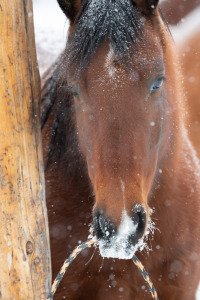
119 164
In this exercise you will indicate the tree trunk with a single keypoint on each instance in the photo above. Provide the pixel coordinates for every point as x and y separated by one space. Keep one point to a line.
25 268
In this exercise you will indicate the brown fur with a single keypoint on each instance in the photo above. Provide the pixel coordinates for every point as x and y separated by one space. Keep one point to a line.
190 58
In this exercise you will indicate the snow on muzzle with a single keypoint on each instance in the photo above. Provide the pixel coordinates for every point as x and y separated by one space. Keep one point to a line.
124 241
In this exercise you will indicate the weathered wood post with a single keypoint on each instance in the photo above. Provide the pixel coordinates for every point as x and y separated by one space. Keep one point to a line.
25 271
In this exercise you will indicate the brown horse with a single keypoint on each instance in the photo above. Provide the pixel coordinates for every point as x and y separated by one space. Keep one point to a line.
118 156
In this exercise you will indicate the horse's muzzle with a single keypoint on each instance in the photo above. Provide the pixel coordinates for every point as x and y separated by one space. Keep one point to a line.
120 241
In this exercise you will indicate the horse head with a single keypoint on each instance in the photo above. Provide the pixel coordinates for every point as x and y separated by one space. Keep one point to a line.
120 73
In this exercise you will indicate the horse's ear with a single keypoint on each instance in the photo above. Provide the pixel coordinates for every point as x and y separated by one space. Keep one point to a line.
69 8
147 6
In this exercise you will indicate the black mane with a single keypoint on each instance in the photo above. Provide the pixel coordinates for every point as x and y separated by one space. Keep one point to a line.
120 21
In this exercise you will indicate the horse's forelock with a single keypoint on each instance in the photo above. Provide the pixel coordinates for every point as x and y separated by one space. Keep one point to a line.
120 22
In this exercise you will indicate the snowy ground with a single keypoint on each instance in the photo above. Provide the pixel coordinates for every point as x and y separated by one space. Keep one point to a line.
51 31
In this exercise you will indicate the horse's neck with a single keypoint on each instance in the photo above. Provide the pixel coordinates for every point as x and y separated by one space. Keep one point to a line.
176 199
180 162
178 183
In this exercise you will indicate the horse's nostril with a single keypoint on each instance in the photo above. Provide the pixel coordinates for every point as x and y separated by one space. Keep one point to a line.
139 219
130 230
103 227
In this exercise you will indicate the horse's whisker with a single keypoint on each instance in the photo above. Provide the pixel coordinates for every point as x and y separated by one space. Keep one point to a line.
91 257
101 265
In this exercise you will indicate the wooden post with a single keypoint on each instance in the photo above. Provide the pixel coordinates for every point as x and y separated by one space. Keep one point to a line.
25 269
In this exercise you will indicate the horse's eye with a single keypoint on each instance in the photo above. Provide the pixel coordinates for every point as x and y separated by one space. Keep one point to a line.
157 84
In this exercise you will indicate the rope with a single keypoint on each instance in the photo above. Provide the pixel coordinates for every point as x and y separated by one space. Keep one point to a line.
66 264
146 277
88 244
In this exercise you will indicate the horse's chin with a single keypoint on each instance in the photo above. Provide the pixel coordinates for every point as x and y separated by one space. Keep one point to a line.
120 249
